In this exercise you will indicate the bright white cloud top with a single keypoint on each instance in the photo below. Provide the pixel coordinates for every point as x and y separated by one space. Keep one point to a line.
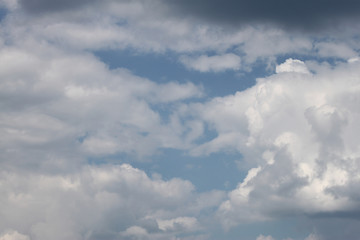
114 123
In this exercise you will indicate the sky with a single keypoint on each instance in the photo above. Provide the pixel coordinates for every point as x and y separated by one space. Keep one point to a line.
179 120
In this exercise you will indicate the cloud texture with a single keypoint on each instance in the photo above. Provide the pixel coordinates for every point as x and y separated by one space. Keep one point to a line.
304 15
299 131
116 202
73 128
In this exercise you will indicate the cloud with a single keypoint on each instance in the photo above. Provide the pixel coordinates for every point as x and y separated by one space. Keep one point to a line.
14 235
262 237
61 108
215 63
335 49
38 6
302 15
312 236
299 133
292 65
97 201
87 110
148 27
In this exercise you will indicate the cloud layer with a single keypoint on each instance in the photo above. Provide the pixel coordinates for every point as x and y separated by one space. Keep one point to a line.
69 122
304 15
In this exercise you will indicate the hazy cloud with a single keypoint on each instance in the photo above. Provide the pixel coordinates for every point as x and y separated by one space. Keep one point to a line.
217 63
38 6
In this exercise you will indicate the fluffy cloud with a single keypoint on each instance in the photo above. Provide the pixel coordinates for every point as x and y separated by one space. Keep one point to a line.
299 132
98 202
292 65
62 107
77 107
13 235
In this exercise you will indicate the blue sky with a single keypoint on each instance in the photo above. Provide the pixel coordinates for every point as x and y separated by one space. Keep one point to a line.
181 120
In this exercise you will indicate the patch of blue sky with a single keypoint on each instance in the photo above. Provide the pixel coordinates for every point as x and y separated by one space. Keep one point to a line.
3 13
166 67
217 171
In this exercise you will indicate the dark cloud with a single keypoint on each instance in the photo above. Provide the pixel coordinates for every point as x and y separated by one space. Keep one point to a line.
303 14
38 6
298 14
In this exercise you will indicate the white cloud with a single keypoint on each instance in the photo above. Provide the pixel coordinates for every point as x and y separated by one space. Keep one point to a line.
76 106
182 224
114 200
299 133
262 237
60 106
292 65
14 235
215 63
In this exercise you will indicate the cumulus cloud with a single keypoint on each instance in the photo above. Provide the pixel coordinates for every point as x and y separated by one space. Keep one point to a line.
218 63
14 235
292 65
85 110
96 202
299 132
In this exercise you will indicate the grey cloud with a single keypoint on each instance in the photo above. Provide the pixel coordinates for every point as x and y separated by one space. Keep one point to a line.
38 6
338 214
305 14
333 228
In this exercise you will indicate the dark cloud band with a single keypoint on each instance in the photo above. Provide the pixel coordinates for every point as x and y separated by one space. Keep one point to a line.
38 6
287 13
